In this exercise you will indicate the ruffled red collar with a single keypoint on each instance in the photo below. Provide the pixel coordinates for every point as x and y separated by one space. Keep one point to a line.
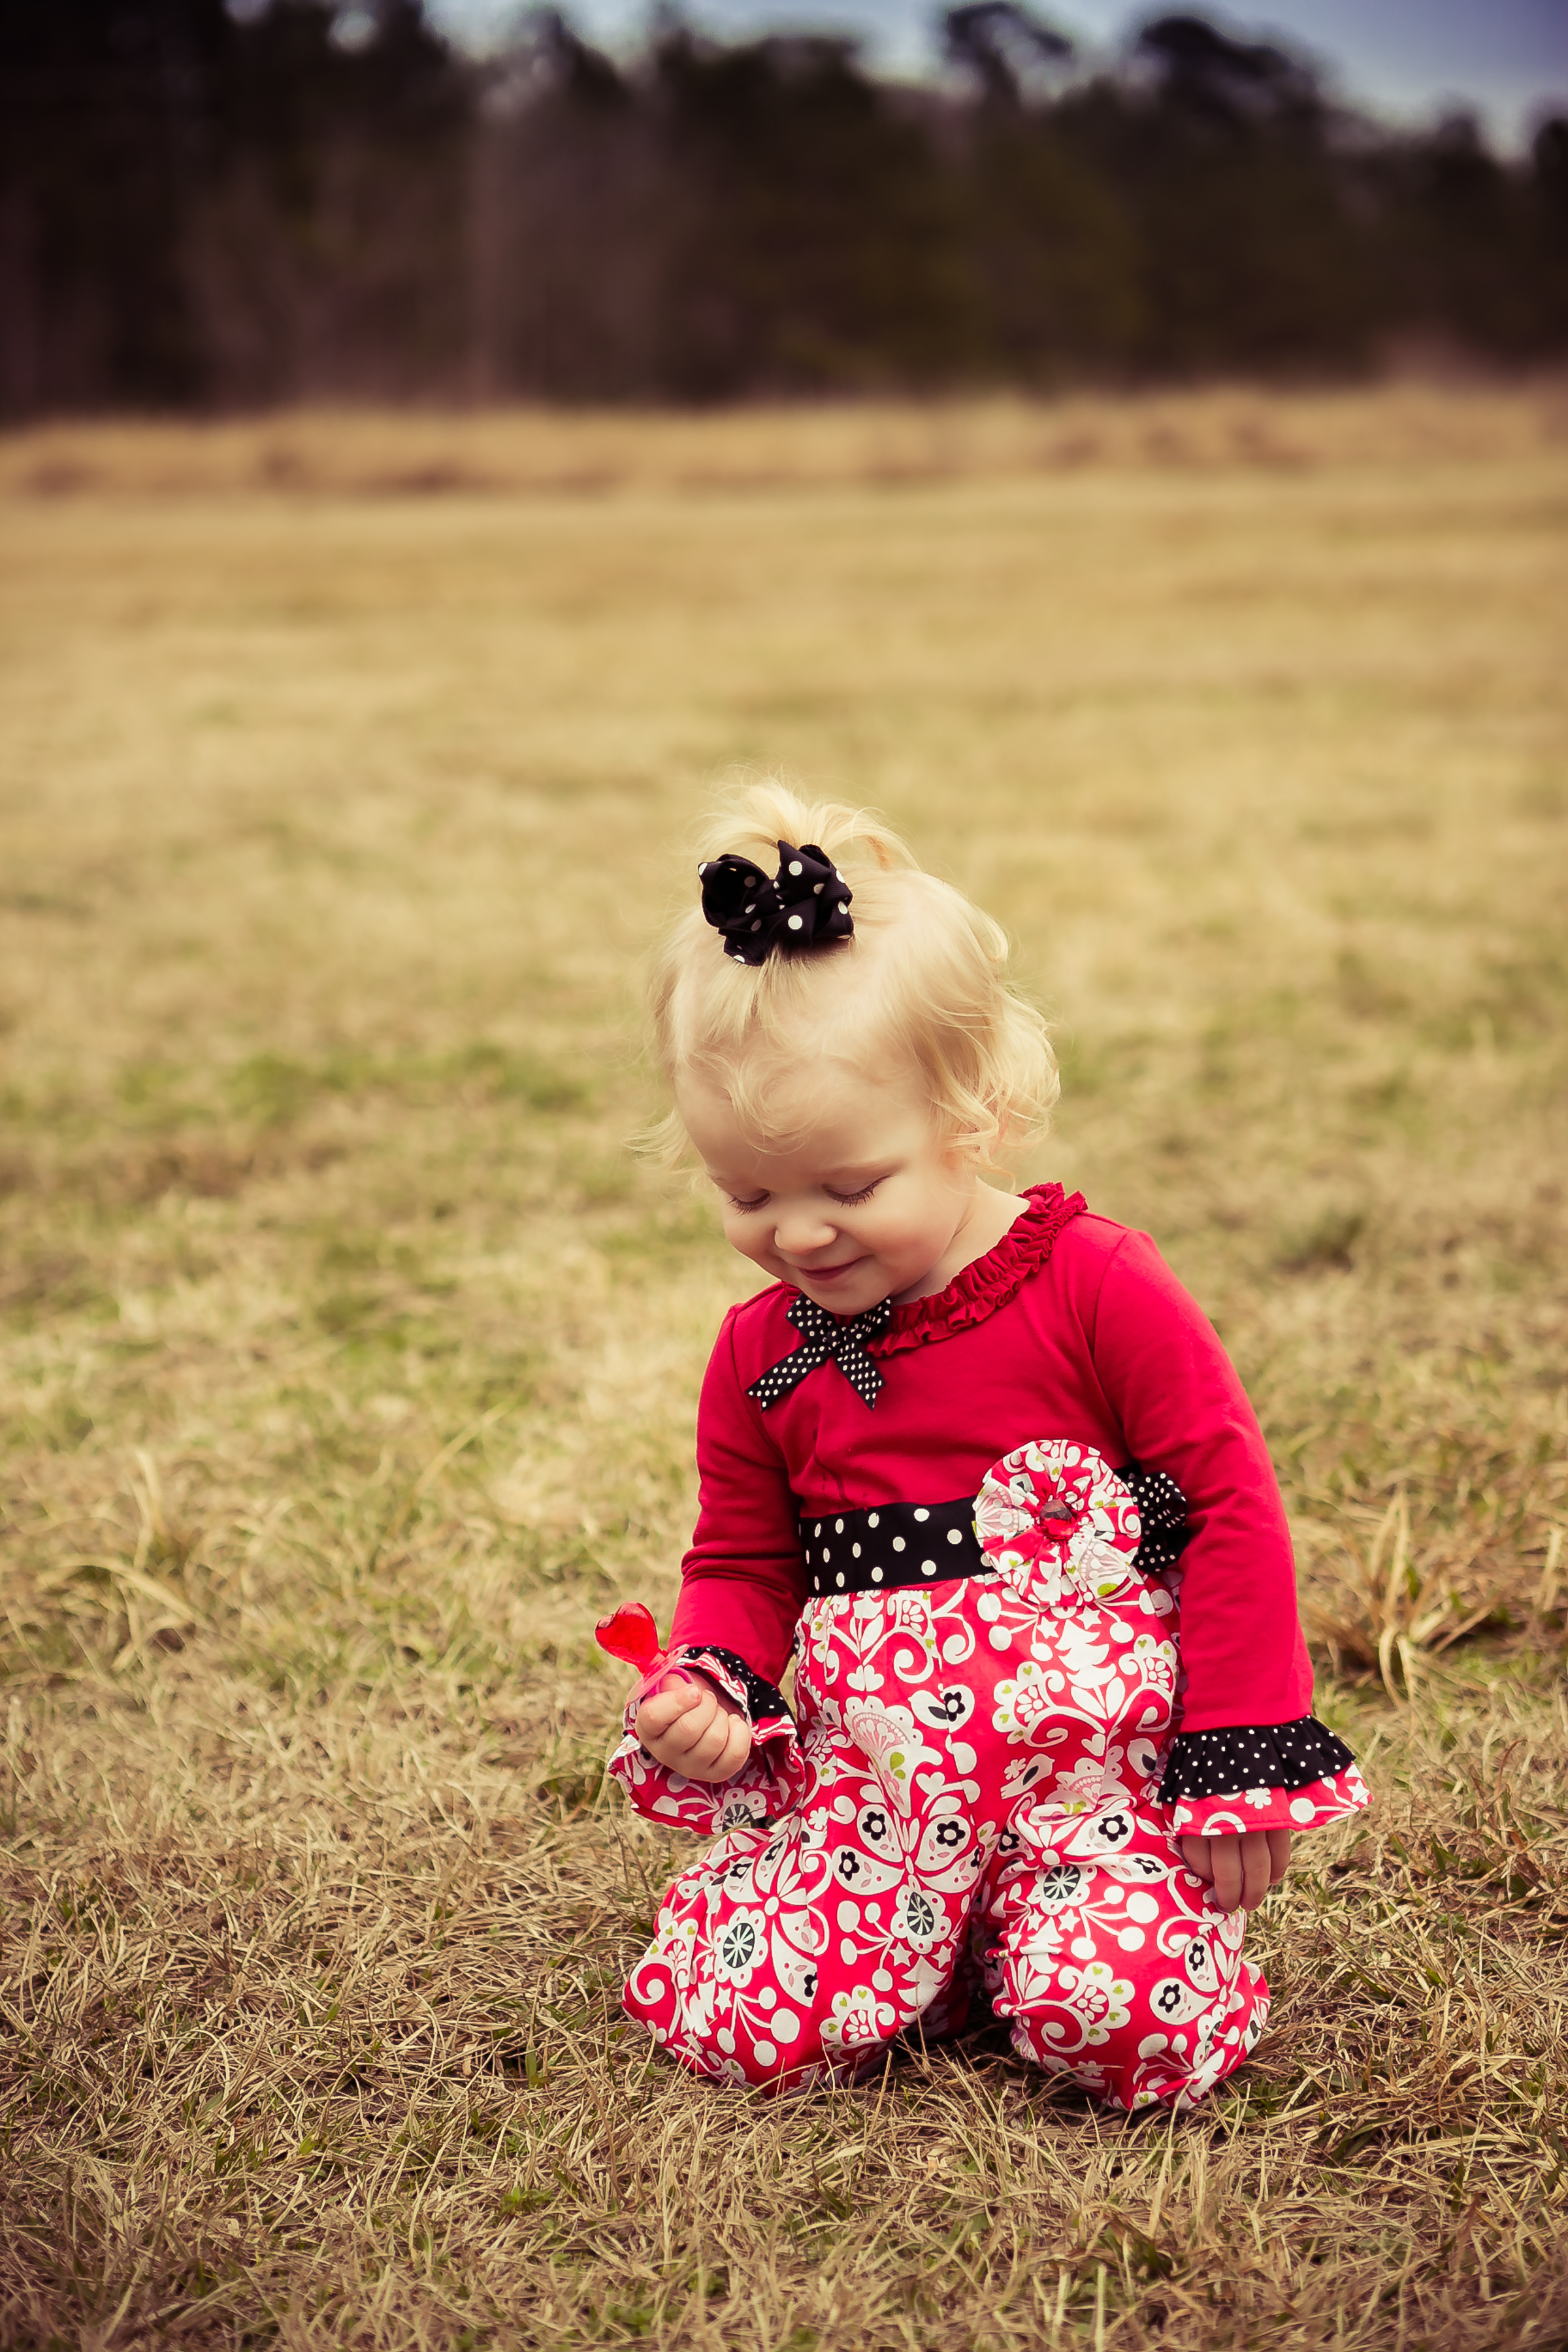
980 1288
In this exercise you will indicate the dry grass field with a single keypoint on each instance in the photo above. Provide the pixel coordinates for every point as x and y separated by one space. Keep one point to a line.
348 1357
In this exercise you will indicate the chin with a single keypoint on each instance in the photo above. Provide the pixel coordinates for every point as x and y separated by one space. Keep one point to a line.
848 1300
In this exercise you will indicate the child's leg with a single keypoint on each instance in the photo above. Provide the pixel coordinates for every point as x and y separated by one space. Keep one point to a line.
788 1954
1114 1966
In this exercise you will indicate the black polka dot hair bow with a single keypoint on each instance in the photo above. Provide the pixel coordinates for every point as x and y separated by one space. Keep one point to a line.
806 902
824 1339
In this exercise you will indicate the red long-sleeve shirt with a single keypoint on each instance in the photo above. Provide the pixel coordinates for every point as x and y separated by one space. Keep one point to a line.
1073 1327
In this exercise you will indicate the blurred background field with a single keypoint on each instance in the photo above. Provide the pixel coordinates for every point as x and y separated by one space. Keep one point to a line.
348 1356
883 443
220 205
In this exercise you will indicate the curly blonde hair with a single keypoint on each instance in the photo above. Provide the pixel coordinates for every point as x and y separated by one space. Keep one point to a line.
922 979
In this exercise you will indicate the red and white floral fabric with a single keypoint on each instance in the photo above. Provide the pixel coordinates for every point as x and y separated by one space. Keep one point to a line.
972 1792
1240 1809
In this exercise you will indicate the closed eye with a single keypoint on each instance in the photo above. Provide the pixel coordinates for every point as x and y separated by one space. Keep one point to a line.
747 1206
853 1200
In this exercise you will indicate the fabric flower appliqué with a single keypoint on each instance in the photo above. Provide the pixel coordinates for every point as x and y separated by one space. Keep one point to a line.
1059 1522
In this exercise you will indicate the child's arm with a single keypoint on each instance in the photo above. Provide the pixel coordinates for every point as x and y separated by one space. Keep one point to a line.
712 1742
742 1579
1250 1765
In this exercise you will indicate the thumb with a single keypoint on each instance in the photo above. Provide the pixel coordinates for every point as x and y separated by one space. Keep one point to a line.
669 1682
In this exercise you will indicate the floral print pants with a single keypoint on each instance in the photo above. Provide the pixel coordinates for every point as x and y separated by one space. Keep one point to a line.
971 1798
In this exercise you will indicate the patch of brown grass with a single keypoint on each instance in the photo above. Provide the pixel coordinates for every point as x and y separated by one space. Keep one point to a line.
417 454
319 2011
348 1361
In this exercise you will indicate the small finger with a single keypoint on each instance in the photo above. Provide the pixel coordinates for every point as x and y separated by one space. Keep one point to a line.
736 1741
1278 1853
709 1761
681 1737
683 1760
653 1728
1256 1875
711 1743
1196 1854
674 1696
1226 1877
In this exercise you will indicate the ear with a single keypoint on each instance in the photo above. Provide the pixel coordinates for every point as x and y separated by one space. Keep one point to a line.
965 1155
997 1152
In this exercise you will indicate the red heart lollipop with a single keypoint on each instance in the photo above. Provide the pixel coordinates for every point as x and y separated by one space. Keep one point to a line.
630 1633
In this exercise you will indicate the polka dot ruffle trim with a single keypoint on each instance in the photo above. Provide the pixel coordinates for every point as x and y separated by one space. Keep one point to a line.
1251 1756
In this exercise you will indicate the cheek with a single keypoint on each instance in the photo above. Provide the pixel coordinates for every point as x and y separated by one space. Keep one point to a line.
920 1210
897 1232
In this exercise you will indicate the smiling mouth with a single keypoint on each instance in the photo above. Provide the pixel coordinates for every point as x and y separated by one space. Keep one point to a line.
826 1272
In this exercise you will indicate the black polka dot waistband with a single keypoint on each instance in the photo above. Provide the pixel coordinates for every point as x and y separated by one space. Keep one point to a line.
898 1543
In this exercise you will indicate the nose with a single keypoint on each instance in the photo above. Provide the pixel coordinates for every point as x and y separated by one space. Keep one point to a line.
800 1231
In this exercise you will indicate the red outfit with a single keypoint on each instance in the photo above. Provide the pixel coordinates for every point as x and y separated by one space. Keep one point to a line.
1070 1342
1072 1328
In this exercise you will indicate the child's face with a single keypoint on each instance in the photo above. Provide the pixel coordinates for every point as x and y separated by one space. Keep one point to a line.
861 1202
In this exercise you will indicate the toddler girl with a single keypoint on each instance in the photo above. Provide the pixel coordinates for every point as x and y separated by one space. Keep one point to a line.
978 1459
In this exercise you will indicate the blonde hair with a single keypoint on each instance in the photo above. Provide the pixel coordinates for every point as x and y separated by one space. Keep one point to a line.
924 980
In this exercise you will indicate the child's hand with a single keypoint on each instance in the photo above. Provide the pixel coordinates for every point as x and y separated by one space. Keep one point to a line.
1242 1868
694 1729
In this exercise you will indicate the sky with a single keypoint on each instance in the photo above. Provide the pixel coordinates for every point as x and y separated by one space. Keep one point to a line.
1411 60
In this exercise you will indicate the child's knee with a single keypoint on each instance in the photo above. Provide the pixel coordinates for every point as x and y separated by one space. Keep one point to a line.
755 2053
1129 2057
750 2033
1138 1990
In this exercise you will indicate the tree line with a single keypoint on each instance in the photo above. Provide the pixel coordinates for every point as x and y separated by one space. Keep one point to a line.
205 206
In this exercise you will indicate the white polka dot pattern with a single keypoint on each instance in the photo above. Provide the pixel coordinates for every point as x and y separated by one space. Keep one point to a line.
1251 1756
861 1551
805 905
825 1341
914 1543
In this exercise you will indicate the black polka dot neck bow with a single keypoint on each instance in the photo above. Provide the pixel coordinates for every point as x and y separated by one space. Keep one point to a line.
806 902
824 1339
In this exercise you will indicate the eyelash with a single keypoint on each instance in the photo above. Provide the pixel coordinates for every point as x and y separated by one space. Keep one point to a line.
845 1200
